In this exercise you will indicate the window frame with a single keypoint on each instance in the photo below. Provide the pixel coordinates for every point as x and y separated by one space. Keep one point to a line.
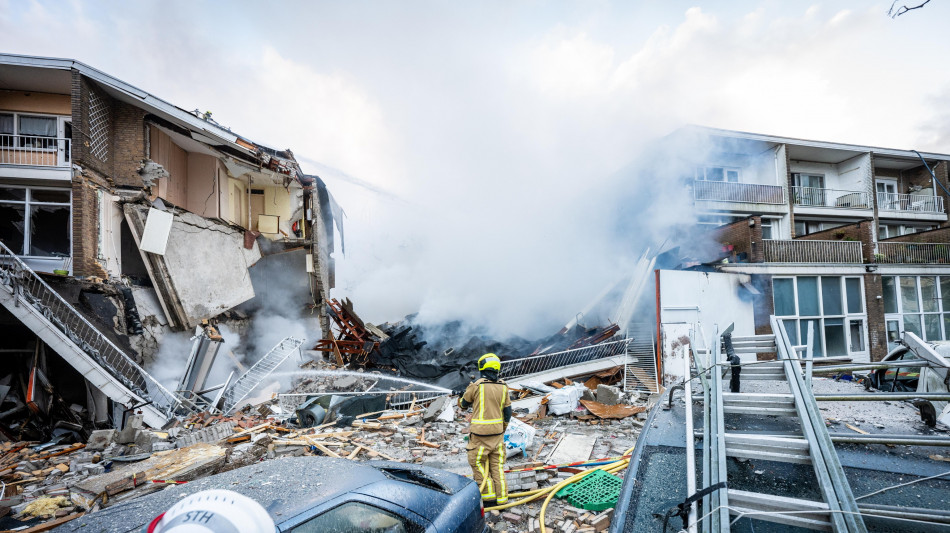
703 171
846 317
942 312
27 203
60 135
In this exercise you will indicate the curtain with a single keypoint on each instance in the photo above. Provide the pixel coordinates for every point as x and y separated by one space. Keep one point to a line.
38 126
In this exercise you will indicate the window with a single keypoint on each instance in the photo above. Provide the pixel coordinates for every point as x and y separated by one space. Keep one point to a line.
769 225
716 220
35 222
831 306
356 517
809 189
920 304
807 227
726 174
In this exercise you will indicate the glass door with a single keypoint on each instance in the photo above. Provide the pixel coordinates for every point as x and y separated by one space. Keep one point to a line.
887 197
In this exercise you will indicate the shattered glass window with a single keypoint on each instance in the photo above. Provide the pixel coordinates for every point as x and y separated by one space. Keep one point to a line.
49 230
35 222
12 226
783 295
932 327
890 294
834 337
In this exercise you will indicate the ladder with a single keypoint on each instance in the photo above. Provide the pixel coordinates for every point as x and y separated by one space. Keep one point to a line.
838 511
249 380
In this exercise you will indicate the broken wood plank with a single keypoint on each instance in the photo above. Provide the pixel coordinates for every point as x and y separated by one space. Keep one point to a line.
856 429
355 452
323 448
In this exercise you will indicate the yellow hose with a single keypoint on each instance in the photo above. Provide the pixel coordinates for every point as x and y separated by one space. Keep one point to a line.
532 495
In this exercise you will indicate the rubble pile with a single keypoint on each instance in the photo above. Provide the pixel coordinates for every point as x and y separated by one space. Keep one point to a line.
58 482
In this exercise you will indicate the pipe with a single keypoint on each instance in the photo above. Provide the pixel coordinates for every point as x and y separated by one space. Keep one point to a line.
931 396
869 366
910 440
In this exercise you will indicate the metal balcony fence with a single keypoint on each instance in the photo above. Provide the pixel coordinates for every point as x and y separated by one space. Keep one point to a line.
513 368
33 150
818 197
806 251
912 252
915 203
751 193
19 279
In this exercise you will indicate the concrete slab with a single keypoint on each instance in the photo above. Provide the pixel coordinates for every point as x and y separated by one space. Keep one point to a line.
573 447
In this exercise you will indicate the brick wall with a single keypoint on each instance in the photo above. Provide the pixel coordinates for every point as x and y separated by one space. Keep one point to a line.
86 224
745 237
863 232
128 144
877 333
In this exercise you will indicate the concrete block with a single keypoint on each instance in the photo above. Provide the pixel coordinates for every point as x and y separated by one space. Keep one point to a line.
135 422
436 407
100 439
609 395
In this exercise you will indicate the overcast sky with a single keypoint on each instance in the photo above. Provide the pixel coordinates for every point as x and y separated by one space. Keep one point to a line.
490 132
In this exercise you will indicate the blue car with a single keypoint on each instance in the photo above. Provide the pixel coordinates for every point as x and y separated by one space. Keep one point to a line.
311 494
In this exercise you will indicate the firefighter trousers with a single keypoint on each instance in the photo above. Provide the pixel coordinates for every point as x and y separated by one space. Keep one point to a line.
486 455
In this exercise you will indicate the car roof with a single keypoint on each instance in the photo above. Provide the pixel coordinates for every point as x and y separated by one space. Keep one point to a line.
285 487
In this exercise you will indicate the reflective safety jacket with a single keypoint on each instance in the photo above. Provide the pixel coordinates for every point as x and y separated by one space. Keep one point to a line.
488 399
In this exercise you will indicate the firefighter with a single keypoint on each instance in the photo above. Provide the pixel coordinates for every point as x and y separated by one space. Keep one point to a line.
491 412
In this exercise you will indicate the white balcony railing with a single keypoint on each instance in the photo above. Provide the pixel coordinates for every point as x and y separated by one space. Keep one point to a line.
804 251
915 203
912 252
34 151
750 193
816 197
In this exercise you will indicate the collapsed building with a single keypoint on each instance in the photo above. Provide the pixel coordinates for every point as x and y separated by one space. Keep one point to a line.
124 218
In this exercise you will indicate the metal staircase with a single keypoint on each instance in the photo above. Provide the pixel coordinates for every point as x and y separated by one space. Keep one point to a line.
79 343
248 381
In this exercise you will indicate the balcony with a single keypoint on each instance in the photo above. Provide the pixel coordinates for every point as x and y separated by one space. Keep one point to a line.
28 150
834 198
910 203
747 193
807 251
912 252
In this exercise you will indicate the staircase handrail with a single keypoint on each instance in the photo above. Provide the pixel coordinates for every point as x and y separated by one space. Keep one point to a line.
12 269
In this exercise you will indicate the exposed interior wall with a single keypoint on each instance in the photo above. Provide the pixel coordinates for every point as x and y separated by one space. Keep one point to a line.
235 201
175 160
33 102
202 186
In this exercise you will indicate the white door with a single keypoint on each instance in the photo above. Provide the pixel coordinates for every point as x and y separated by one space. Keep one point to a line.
64 134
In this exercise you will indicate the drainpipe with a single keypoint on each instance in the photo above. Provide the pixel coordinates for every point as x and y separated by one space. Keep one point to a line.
933 177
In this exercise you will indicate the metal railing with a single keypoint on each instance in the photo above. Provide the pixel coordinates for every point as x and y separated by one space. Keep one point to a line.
817 197
912 252
35 151
750 193
32 290
805 251
513 368
640 369
395 400
915 203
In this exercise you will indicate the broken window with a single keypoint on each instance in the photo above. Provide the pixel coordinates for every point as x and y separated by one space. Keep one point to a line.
46 231
726 174
923 306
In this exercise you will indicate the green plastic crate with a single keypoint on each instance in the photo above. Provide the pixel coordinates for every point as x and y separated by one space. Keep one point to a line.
597 491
